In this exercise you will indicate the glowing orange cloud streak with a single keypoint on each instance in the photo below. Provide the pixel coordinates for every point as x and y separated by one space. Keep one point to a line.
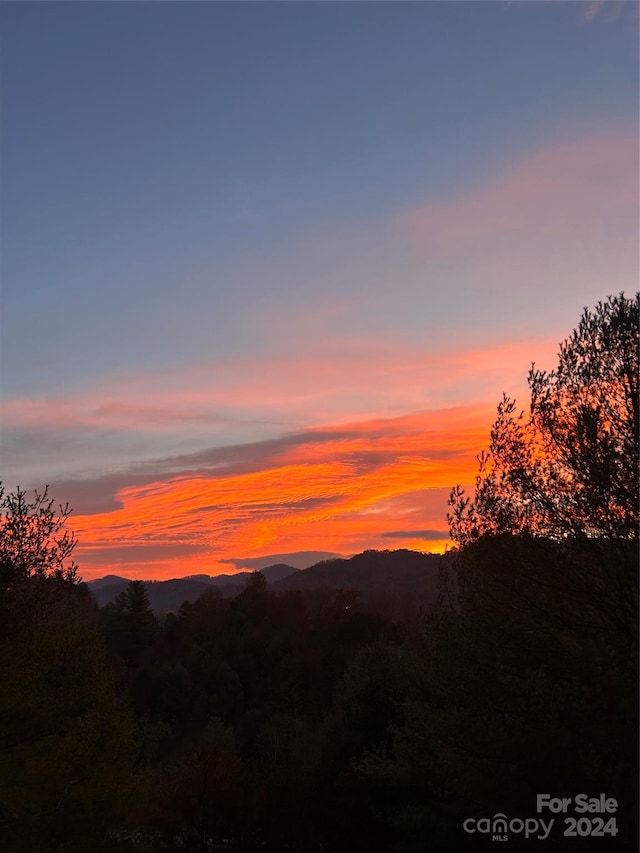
333 494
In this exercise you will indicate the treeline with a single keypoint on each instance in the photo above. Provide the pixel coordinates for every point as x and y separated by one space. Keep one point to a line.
299 721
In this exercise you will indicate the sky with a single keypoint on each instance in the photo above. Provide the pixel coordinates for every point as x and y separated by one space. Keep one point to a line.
267 268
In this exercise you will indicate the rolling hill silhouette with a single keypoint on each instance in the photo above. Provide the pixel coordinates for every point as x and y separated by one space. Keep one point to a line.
398 583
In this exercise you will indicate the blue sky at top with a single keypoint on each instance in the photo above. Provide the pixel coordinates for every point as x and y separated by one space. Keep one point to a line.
164 164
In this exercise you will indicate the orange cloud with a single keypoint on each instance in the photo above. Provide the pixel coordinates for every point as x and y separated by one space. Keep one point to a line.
340 489
343 480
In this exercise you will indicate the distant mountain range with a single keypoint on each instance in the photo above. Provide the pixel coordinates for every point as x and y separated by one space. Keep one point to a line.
397 583
169 595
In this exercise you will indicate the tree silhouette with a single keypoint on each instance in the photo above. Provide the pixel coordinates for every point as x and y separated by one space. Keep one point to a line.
570 467
33 539
130 625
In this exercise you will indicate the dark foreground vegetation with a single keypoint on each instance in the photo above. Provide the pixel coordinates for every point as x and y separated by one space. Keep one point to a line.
316 720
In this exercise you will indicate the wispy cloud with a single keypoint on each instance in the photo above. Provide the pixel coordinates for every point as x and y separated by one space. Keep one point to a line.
588 10
609 10
154 414
425 535
565 196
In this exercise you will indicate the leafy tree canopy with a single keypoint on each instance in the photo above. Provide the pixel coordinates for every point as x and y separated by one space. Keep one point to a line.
33 538
570 466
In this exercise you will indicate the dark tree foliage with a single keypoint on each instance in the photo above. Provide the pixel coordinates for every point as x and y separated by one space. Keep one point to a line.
66 739
231 696
130 624
524 685
570 466
34 541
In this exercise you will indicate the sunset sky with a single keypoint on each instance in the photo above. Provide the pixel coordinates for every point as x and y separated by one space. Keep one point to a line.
267 268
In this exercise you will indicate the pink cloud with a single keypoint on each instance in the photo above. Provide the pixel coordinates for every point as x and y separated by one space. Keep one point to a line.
348 380
566 195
